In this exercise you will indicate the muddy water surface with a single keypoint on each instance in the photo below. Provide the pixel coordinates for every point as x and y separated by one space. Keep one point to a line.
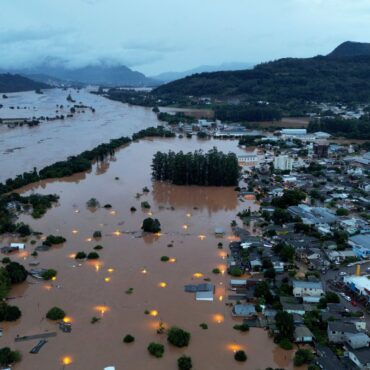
188 216
23 148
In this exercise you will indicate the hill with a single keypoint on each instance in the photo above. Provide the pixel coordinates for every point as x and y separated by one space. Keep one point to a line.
102 74
351 49
15 83
172 76
322 78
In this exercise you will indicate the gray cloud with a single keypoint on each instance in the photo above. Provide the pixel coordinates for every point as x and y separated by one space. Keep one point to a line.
156 36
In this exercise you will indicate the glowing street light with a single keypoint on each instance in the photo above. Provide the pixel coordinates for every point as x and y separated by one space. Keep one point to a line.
162 284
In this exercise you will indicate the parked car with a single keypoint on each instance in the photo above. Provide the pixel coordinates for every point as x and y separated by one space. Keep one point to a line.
342 294
347 298
342 273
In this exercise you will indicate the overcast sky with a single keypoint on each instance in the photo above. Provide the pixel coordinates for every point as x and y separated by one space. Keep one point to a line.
155 36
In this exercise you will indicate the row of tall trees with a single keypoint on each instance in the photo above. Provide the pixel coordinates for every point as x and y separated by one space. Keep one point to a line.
213 168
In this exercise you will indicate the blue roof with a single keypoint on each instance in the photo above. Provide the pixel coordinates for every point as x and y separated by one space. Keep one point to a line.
361 239
307 284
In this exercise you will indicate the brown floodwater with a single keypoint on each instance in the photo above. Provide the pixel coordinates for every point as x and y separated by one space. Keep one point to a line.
23 148
188 216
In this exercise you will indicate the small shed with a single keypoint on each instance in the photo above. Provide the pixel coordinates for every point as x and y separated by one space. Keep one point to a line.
303 335
204 296
17 245
244 310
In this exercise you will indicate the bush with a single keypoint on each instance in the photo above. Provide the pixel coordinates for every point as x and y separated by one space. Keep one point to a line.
240 356
8 357
80 255
53 240
97 234
216 270
92 256
16 272
302 356
94 320
184 363
93 203
242 327
49 274
133 209
235 271
151 225
128 339
286 344
156 349
98 247
9 313
342 212
145 205
178 337
204 326
55 313
6 260
165 258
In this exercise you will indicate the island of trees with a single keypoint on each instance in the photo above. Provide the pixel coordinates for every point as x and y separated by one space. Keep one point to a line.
213 168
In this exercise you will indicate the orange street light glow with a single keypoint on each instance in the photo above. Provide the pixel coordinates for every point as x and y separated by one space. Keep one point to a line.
234 347
54 278
144 271
74 231
110 270
157 234
117 233
188 215
66 360
220 298
67 320
218 318
107 279
162 284
113 213
153 313
201 237
185 227
150 213
72 256
77 211
101 309
198 275
172 260
88 239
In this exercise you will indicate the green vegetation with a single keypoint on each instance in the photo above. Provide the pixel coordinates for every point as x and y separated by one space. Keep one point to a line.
286 344
282 81
4 283
55 313
80 255
174 119
241 327
128 338
216 270
289 198
49 274
16 272
94 320
235 271
240 113
302 356
93 203
145 205
240 356
8 357
97 234
9 313
54 240
342 211
213 168
352 129
151 225
204 326
93 256
98 247
184 363
129 291
165 258
178 337
153 132
156 349
285 325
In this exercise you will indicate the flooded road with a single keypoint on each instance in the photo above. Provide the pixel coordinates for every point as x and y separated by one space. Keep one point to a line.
188 216
23 148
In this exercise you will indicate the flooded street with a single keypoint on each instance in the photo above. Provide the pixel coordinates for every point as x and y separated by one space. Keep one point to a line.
188 216
23 148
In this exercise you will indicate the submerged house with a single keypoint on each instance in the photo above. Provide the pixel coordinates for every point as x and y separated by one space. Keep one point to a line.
244 310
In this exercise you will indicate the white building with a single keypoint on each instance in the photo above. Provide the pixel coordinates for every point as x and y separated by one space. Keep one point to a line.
295 132
283 163
303 289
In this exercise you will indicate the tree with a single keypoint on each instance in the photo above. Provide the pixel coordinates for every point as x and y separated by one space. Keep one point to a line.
281 216
342 212
270 273
49 274
184 363
240 356
92 256
151 225
235 271
55 313
302 356
289 198
285 324
8 357
9 313
4 283
128 339
286 344
156 349
178 337
80 255
262 290
332 297
16 272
